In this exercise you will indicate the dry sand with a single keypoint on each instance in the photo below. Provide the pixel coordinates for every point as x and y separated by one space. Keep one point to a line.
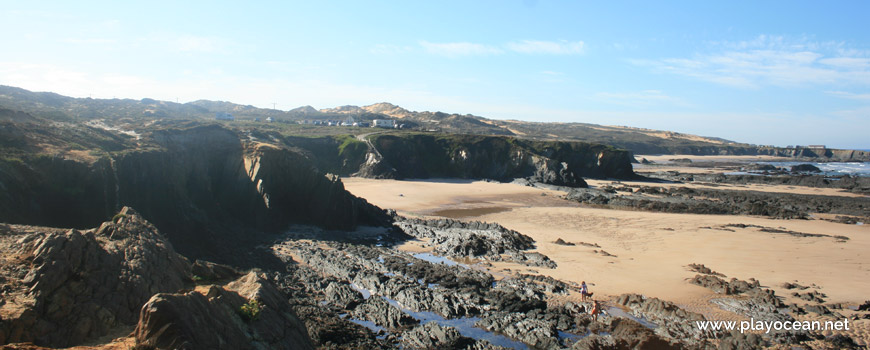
650 250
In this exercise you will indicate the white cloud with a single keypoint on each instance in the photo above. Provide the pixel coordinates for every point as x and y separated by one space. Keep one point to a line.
771 61
546 47
527 47
201 44
850 95
90 41
643 98
383 49
457 49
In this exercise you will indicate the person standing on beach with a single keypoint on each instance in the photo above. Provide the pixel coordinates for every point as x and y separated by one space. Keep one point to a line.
596 309
584 291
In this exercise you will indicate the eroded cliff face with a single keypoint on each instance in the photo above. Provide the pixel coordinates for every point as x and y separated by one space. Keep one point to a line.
202 186
499 158
62 287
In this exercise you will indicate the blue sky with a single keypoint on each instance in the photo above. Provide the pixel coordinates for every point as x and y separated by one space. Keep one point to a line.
782 73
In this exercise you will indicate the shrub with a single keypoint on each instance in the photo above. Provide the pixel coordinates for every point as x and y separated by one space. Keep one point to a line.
251 310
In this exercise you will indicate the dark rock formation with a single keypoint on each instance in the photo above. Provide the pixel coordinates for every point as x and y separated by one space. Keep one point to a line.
499 158
209 271
805 168
205 188
673 322
560 241
382 314
69 287
434 336
343 296
729 202
249 313
539 334
700 268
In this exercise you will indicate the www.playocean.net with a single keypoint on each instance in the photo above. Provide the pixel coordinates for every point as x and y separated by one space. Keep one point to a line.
753 325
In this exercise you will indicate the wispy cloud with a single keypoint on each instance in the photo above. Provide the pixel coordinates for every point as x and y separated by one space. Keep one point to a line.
546 47
850 95
199 44
643 98
457 49
771 61
526 47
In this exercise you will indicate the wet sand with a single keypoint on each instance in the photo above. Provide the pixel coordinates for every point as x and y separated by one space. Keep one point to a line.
648 251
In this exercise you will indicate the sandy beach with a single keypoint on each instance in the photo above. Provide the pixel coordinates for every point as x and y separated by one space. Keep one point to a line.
648 252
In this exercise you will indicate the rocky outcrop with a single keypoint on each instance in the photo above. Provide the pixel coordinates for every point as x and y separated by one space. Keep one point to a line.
475 239
538 333
673 322
719 201
202 185
62 288
805 168
249 313
434 336
383 314
493 157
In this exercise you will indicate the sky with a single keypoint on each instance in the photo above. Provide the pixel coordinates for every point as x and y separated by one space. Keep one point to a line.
762 72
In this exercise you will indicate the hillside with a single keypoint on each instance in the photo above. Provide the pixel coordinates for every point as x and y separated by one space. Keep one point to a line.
637 140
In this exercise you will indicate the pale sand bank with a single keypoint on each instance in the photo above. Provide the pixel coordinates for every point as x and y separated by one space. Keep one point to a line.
651 249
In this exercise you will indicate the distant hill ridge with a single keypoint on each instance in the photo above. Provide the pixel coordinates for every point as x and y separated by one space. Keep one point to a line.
637 140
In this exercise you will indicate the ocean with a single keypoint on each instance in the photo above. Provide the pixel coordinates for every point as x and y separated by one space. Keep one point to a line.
831 168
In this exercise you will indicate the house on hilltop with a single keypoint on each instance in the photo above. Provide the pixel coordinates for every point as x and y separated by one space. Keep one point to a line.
384 123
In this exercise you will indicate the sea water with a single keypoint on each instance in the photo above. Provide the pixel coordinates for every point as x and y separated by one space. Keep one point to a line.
831 168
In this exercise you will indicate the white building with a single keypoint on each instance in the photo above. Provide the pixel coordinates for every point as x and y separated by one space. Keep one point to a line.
384 123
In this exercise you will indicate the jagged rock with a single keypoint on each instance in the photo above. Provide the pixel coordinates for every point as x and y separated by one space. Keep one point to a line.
596 342
434 336
209 271
533 259
203 186
560 241
629 334
807 168
673 322
754 308
499 158
468 239
700 268
789 285
248 313
69 287
813 296
382 314
842 342
343 295
540 334
718 285
740 341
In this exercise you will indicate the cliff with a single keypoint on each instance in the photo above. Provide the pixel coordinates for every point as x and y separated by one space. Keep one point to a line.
62 287
493 157
202 185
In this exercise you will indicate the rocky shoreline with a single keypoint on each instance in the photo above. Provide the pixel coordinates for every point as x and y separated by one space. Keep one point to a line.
339 290
677 199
